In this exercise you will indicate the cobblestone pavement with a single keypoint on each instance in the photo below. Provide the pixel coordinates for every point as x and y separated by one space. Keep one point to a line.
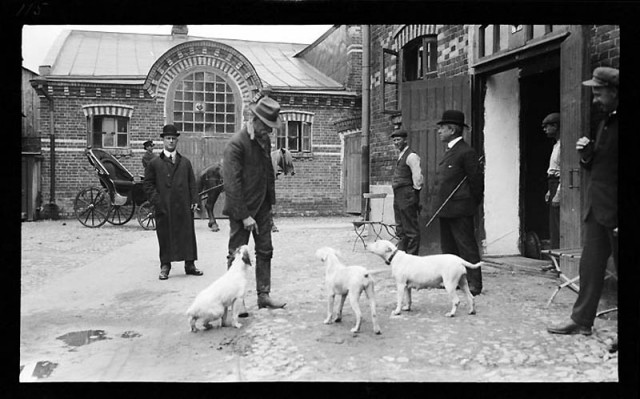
77 279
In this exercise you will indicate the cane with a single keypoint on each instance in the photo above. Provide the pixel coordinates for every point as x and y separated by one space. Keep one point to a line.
449 197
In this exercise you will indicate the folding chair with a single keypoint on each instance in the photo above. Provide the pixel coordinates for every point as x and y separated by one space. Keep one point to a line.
572 283
377 226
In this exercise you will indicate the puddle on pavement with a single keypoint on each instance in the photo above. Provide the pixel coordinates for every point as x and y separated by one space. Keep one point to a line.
43 369
130 334
79 338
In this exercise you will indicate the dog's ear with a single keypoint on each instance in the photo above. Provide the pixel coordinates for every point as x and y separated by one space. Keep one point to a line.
245 257
322 254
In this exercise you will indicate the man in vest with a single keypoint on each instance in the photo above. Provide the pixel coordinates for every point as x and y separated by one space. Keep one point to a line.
407 183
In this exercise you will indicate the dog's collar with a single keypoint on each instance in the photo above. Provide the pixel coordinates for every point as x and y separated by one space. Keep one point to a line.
388 261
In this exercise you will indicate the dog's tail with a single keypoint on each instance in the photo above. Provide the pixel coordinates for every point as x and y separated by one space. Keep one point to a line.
472 265
376 271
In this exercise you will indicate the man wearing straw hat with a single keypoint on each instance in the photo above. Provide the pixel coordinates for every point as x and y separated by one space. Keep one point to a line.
459 187
249 184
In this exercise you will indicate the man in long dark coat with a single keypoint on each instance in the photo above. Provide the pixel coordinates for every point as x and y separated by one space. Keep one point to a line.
460 162
170 186
599 156
249 184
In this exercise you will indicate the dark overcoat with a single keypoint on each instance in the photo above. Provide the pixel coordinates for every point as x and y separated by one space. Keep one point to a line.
248 175
602 188
171 189
459 161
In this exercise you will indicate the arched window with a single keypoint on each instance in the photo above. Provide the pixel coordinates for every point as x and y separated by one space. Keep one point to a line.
420 58
204 102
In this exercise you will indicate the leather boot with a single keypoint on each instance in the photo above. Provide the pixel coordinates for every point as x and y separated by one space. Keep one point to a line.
190 268
474 276
165 268
263 285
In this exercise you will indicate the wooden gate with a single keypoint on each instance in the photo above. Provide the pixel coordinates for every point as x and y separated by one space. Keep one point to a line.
423 103
351 173
203 151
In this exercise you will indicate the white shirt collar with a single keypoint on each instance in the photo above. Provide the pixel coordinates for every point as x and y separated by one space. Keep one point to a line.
454 141
402 152
169 154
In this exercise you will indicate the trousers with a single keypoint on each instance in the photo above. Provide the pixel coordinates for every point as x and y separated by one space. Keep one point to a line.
599 244
457 237
406 211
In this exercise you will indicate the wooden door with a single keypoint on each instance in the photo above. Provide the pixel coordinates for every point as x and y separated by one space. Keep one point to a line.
351 170
574 122
423 103
203 151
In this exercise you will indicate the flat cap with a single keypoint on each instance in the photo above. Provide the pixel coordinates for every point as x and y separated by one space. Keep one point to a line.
551 118
147 143
603 77
399 133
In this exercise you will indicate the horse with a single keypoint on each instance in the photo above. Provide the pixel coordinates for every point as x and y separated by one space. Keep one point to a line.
210 182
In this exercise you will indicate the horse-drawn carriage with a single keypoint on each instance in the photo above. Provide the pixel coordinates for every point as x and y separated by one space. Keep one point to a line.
115 199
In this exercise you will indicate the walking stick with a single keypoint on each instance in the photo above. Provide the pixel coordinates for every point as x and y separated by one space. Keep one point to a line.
449 197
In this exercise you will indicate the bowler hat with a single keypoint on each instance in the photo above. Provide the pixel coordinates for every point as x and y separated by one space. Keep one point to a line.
169 130
147 143
602 77
551 118
452 117
268 110
399 133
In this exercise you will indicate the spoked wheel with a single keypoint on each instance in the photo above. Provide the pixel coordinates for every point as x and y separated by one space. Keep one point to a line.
146 216
91 206
121 214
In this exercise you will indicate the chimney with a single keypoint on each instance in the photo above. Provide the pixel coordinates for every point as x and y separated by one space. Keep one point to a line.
179 32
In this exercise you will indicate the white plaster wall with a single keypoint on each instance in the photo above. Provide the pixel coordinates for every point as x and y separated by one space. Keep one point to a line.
502 164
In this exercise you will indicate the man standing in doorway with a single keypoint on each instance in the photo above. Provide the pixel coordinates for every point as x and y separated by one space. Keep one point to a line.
249 184
600 157
170 186
459 187
406 184
551 127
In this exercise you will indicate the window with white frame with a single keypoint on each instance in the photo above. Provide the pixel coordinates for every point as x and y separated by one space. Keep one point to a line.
295 134
108 125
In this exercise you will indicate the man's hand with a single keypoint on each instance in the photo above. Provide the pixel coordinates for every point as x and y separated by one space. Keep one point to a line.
194 207
250 224
585 148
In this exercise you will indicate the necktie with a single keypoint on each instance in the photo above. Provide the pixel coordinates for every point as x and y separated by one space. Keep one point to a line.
171 158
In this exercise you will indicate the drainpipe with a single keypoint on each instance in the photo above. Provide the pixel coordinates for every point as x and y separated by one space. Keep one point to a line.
52 139
364 141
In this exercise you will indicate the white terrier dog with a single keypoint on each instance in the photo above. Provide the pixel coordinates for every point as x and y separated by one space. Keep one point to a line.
215 300
411 271
347 281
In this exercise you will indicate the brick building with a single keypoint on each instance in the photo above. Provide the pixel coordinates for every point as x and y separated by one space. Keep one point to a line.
505 78
30 144
117 90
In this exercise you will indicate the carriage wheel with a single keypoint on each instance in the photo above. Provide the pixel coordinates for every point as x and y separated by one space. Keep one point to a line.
121 214
91 206
146 216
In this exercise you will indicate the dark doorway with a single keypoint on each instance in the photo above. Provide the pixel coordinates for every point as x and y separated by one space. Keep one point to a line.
539 96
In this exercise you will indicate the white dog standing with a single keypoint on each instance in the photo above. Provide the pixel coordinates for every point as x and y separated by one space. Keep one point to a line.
215 300
348 281
411 271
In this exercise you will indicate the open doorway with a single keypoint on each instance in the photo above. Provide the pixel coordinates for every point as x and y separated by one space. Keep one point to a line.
539 96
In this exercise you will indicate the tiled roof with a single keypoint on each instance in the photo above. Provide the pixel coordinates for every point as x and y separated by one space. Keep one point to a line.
89 55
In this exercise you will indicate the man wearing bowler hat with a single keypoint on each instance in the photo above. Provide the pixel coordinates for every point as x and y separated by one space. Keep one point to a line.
459 164
148 153
406 184
170 186
599 155
249 184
